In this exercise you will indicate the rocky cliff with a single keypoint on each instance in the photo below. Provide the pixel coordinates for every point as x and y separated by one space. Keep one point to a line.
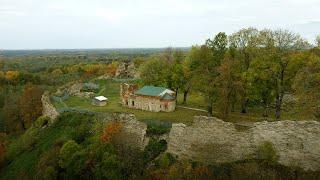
211 140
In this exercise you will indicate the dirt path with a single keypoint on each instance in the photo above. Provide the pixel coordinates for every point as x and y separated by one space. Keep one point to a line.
195 109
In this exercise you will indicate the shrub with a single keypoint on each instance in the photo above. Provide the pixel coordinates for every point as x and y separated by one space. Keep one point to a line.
24 143
82 131
50 173
157 127
153 149
66 153
90 87
165 160
267 153
42 121
48 164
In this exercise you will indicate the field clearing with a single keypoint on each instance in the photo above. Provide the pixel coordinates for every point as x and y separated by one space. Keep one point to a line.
111 89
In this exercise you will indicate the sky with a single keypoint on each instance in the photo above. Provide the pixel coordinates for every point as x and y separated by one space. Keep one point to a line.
74 24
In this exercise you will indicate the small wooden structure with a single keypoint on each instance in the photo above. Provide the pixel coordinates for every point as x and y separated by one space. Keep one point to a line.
99 101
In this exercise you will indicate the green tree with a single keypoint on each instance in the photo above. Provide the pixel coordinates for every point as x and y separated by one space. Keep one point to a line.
307 83
262 82
205 62
187 78
67 152
152 72
204 75
177 72
244 47
318 40
284 46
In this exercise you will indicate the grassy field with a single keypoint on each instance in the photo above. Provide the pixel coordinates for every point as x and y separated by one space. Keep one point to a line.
111 89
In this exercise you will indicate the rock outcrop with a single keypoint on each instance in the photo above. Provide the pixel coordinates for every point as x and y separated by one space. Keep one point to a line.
211 140
48 109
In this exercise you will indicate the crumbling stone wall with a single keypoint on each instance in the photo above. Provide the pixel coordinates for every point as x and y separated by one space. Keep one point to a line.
48 109
126 70
74 89
133 132
211 140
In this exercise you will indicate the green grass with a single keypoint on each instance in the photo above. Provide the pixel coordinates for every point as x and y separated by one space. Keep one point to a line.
111 89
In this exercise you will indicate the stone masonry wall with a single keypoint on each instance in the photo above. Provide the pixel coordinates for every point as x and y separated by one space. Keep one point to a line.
47 108
211 140
133 132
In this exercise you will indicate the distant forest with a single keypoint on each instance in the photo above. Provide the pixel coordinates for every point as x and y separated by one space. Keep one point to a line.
85 52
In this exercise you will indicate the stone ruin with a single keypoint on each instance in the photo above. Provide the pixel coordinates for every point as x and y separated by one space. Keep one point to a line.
74 89
48 108
211 140
133 133
126 70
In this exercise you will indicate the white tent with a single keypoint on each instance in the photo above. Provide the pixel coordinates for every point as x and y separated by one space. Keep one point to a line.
101 98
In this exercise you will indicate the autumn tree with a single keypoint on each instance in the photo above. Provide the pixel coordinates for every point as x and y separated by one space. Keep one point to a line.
3 144
30 104
112 69
11 113
57 72
12 77
229 84
110 130
2 77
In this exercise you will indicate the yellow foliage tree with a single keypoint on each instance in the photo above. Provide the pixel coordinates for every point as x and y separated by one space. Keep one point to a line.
12 76
57 72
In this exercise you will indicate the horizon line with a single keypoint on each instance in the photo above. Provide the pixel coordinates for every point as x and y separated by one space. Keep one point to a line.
58 49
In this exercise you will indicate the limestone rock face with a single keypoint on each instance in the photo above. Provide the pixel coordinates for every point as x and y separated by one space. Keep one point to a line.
210 140
47 108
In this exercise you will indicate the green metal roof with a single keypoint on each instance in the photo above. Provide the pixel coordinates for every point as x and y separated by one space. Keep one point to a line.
150 91
168 97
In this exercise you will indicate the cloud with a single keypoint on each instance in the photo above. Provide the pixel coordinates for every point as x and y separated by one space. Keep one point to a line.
144 23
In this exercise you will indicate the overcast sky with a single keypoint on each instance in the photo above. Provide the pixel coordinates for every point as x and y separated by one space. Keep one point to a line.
59 24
